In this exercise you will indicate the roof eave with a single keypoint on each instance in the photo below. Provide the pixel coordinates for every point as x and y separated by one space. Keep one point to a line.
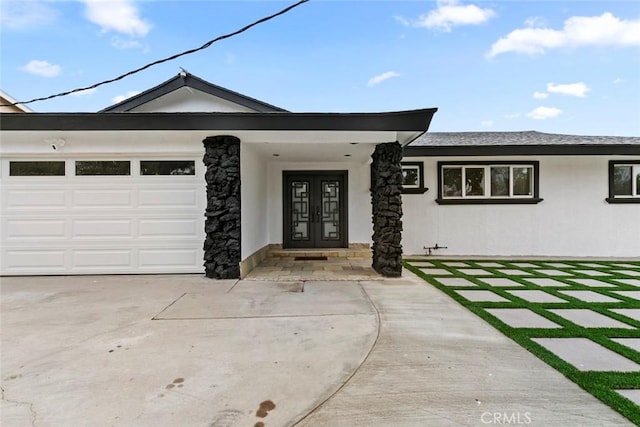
400 121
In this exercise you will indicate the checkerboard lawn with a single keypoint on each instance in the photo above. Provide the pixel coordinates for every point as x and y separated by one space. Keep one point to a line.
580 317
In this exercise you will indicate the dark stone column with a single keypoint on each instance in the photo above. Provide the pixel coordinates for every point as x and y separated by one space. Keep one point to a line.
386 200
222 224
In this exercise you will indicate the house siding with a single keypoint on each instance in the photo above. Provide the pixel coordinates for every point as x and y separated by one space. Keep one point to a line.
573 218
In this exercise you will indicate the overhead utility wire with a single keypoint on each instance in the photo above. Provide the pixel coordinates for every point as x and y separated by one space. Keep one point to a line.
160 61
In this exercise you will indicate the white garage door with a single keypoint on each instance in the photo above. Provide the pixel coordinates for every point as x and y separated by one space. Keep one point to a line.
102 216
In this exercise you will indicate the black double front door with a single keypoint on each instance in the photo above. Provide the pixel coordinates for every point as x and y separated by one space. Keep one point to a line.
315 211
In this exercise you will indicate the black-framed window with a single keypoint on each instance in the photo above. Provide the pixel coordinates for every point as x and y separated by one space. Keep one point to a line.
167 167
484 182
36 168
413 178
103 167
624 181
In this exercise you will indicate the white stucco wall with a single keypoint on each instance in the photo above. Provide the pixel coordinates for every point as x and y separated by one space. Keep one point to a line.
360 226
254 200
573 219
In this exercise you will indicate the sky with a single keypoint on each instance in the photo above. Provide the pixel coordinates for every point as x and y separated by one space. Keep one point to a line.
570 67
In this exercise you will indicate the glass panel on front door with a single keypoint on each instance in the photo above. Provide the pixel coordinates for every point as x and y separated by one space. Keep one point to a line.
314 207
300 210
330 210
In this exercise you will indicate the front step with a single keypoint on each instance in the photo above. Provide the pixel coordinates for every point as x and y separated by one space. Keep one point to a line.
355 250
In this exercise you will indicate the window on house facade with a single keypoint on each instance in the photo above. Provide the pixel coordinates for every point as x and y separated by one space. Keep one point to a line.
488 182
103 167
167 167
624 181
34 168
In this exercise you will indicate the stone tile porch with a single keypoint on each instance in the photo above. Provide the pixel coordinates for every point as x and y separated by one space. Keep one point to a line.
352 263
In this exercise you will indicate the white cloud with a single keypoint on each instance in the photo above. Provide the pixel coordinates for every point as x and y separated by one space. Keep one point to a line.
572 89
120 98
41 68
603 30
25 14
618 80
450 14
542 113
540 95
120 16
120 43
85 92
487 123
382 77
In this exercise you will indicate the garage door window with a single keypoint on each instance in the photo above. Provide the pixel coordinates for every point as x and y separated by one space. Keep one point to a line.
168 167
36 168
114 167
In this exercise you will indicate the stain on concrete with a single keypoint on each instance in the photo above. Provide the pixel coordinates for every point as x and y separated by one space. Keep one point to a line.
170 386
178 380
226 418
264 408
259 424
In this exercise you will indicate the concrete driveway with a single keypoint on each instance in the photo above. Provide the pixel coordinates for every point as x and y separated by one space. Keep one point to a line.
188 351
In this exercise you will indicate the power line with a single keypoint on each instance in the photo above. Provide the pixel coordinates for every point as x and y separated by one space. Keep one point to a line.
160 61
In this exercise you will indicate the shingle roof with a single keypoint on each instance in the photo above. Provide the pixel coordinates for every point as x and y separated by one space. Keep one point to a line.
513 143
457 139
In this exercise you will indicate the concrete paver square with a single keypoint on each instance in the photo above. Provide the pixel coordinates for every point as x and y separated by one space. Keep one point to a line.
632 395
535 296
456 264
436 272
514 272
594 283
422 264
475 272
522 318
633 343
632 282
587 355
589 318
525 265
554 272
589 296
544 281
500 281
482 296
629 294
490 264
456 281
558 265
633 313
593 265
594 273
625 265
635 273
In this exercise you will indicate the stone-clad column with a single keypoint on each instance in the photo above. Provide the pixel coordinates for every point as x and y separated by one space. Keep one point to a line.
222 224
386 200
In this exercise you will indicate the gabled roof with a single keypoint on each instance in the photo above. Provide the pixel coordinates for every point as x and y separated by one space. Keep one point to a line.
185 79
518 143
6 99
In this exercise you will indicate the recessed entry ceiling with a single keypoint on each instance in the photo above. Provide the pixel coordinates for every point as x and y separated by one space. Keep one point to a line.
310 152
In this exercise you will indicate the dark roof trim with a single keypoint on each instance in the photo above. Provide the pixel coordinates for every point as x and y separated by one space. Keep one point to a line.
189 80
523 150
411 121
